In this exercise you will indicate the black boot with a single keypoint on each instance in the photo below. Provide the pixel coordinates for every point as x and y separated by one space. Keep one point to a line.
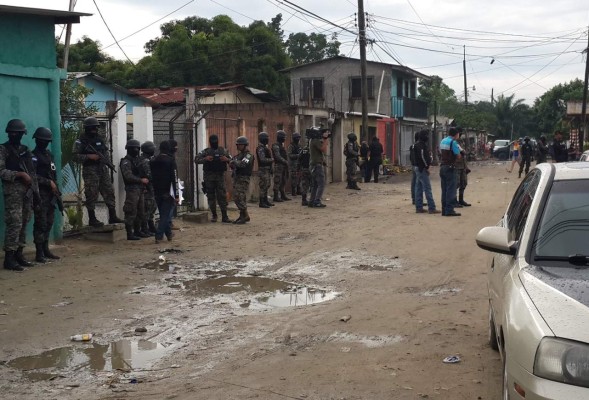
241 219
293 191
268 202
151 225
47 253
130 234
283 196
350 185
39 256
112 217
10 262
214 214
355 185
92 221
224 216
246 216
145 229
461 199
277 198
18 256
304 201
263 204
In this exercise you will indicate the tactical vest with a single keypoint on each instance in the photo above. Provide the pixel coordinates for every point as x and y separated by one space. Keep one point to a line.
447 156
247 170
95 142
267 154
135 170
216 165
13 158
354 149
305 158
43 163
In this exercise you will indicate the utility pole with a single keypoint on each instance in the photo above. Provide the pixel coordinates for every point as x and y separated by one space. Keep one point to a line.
68 35
362 40
584 106
464 70
492 97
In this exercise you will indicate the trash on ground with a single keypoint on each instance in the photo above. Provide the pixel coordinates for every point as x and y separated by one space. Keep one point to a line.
171 250
345 318
85 337
141 329
451 360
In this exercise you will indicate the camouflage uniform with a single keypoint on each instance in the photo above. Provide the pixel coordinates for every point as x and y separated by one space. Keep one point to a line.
214 179
243 164
264 170
280 171
45 214
95 173
293 152
305 173
18 197
149 205
461 169
131 173
351 152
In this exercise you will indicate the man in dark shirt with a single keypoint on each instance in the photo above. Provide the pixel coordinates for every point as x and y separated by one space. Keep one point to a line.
559 150
163 171
376 151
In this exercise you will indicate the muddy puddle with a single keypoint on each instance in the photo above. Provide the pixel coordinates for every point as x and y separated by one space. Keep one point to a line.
297 296
374 267
125 355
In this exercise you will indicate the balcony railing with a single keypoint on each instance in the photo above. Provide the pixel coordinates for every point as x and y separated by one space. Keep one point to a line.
409 108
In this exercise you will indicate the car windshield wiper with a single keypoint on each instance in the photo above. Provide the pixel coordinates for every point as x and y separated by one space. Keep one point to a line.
578 260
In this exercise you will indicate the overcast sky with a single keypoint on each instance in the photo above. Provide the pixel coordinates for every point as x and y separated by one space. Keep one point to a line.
535 44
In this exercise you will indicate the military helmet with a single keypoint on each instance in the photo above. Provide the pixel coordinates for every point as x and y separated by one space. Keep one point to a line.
16 125
542 137
296 135
242 140
91 122
352 136
281 135
527 138
42 133
133 143
147 147
262 136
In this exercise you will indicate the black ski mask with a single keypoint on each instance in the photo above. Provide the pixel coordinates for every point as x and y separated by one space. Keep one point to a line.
133 151
42 144
14 138
214 141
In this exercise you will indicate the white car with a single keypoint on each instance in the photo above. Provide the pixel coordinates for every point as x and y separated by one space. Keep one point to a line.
538 283
584 156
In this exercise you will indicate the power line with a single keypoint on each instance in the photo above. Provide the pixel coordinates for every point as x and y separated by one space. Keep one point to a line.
316 16
113 36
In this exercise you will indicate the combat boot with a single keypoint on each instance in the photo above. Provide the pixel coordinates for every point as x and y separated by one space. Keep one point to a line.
10 262
39 256
241 219
151 225
48 253
246 216
92 221
20 258
213 215
283 196
145 229
225 217
277 198
304 201
355 185
130 234
112 217
349 186
293 191
263 204
268 202
461 199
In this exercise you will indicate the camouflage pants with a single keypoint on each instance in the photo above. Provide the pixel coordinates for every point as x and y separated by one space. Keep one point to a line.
149 205
44 217
461 179
133 207
305 180
215 190
264 178
294 178
280 175
17 214
350 169
97 180
241 184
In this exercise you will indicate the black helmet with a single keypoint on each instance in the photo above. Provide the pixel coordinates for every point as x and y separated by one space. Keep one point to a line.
281 135
43 134
242 140
16 125
91 122
133 143
296 135
213 139
263 136
542 137
147 147
527 138
352 136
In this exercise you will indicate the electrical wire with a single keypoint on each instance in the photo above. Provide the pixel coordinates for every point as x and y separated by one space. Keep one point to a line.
113 36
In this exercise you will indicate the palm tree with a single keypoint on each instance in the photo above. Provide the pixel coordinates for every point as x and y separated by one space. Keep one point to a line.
509 115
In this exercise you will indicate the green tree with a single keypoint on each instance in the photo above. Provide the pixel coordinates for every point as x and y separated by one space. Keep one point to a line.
550 108
303 48
438 96
84 56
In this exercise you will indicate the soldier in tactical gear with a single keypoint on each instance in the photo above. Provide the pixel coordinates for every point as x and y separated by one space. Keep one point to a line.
215 160
20 191
542 151
134 187
462 172
293 152
352 152
89 150
304 173
265 162
49 193
149 205
242 165
280 167
527 151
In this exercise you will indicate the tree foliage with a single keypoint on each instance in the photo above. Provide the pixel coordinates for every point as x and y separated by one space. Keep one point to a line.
303 48
550 108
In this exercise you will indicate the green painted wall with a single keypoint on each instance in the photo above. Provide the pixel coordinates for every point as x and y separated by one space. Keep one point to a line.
29 85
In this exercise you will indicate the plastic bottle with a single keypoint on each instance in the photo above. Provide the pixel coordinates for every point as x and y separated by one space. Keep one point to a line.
86 337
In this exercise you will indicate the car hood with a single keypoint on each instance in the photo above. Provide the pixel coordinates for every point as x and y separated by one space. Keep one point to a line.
561 295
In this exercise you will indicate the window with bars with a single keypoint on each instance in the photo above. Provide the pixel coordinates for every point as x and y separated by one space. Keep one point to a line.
356 87
312 89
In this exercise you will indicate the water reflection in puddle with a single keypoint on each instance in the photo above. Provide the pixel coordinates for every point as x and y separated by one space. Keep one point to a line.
123 355
297 296
233 284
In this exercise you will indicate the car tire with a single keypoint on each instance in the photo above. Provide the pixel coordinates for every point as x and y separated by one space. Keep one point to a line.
505 387
492 333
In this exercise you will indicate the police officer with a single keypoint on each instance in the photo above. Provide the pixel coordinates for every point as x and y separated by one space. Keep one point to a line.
449 153
527 151
462 171
134 186
294 151
215 160
351 151
49 194
149 205
542 151
91 151
242 164
304 173
265 162
280 167
20 191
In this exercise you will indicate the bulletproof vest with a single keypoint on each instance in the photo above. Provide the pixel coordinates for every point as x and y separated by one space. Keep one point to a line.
95 142
247 170
216 165
13 157
43 163
281 150
267 154
135 170
447 156
305 158
354 148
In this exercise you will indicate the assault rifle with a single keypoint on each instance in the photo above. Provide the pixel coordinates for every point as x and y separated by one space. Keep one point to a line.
103 159
56 200
31 193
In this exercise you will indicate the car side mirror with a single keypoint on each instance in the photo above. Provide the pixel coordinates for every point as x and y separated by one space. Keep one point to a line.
496 239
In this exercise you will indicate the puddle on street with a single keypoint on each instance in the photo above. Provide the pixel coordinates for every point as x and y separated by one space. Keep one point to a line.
297 296
123 355
159 265
368 267
234 284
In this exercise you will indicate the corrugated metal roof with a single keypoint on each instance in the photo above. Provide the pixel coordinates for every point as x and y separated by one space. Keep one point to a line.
59 16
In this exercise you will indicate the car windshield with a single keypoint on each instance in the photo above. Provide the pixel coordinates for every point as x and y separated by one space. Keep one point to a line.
562 236
501 143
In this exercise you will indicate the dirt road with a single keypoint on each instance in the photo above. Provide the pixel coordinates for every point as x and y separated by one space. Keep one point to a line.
255 311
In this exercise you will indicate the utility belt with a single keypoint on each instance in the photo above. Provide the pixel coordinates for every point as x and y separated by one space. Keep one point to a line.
452 166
